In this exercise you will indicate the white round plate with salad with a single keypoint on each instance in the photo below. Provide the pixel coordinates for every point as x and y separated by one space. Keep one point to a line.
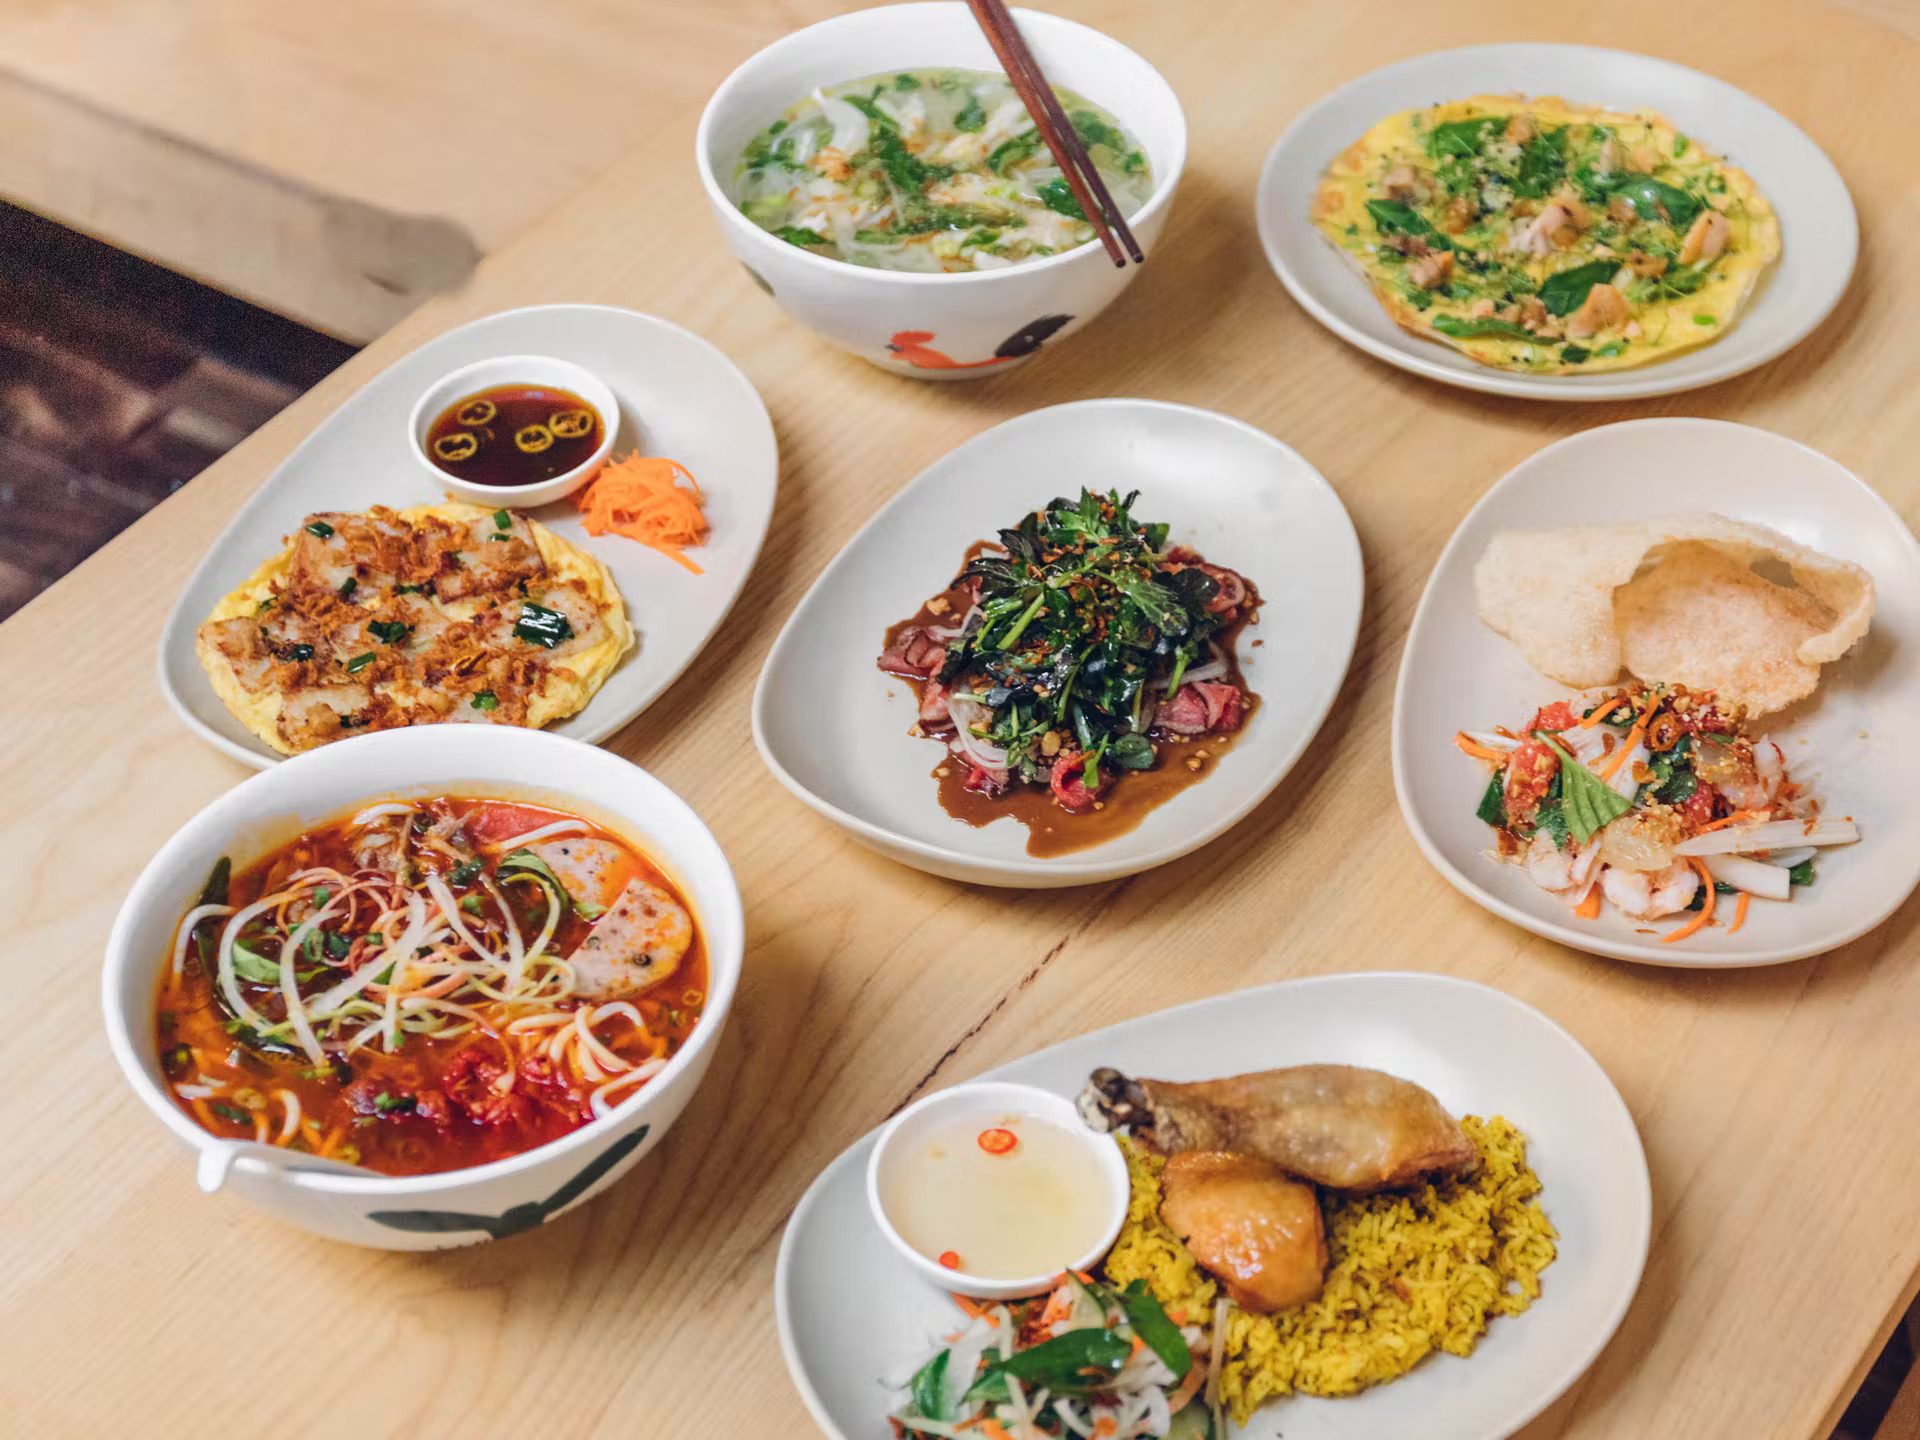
1737 794
870 1340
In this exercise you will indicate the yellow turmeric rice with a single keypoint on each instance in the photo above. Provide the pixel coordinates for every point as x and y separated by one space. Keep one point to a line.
1411 1272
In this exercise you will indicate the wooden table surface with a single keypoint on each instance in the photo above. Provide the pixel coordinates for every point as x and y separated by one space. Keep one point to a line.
1777 1106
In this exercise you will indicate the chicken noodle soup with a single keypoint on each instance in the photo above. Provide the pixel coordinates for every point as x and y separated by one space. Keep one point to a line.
930 170
428 986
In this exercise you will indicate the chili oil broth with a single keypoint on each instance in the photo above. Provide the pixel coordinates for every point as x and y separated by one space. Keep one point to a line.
190 1013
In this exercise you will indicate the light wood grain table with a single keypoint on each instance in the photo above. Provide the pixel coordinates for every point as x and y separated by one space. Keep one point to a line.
1778 1106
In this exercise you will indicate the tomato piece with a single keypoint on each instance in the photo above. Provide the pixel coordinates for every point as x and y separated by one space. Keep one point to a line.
1697 809
1556 717
1529 773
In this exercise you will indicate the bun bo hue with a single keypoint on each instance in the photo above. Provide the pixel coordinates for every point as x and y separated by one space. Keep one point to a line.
428 985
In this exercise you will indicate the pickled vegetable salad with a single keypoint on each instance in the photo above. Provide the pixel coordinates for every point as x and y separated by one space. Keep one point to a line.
1655 800
1085 1360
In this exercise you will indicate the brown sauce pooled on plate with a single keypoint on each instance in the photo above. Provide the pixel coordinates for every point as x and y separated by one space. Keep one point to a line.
1052 831
514 435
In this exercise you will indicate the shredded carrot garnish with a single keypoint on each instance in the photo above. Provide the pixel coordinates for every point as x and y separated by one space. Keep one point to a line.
994 1430
1625 748
973 1311
641 498
1059 1307
1602 710
1189 1387
1589 908
1739 912
1738 817
1473 747
1706 910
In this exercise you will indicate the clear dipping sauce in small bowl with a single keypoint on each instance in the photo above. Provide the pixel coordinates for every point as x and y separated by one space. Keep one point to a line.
994 1189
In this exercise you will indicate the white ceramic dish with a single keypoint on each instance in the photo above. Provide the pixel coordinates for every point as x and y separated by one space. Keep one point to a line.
514 370
1820 236
833 728
980 1105
1857 730
425 1212
678 396
976 319
1479 1051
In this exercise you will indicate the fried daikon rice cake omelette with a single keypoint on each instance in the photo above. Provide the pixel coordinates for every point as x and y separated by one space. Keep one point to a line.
446 612
1536 237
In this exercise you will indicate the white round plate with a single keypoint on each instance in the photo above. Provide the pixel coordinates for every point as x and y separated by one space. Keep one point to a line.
834 728
1480 1052
678 397
1820 236
1854 737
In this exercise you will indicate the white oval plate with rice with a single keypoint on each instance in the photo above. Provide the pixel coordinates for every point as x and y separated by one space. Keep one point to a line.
1852 735
852 1313
1820 235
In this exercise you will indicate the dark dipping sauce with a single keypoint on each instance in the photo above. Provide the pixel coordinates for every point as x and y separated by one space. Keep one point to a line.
514 435
1052 830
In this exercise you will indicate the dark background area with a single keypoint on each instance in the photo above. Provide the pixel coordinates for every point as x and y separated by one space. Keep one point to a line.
119 382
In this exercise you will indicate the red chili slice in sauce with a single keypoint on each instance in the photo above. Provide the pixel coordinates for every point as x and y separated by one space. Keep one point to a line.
998 1141
950 1259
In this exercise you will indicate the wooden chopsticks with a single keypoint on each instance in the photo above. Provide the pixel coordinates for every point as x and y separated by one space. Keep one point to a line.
1010 48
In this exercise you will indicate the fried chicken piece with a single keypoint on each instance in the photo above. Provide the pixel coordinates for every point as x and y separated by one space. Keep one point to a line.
1340 1126
1251 1226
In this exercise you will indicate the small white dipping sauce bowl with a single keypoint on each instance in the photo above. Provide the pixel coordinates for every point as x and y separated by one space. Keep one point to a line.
515 370
451 1207
983 321
967 1110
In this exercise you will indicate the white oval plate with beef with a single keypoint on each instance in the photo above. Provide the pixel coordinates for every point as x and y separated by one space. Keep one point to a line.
1820 234
834 728
1853 737
679 397
1478 1051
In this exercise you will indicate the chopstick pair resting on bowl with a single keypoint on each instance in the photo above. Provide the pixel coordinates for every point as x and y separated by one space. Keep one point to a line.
1010 48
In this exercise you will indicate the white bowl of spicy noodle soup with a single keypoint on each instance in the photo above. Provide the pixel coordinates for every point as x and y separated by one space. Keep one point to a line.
575 940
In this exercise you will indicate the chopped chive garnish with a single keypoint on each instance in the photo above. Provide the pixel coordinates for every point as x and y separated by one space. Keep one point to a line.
540 626
355 666
486 700
348 586
502 520
320 528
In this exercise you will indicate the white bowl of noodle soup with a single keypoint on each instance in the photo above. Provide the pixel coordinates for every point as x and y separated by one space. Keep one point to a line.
937 326
449 1207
